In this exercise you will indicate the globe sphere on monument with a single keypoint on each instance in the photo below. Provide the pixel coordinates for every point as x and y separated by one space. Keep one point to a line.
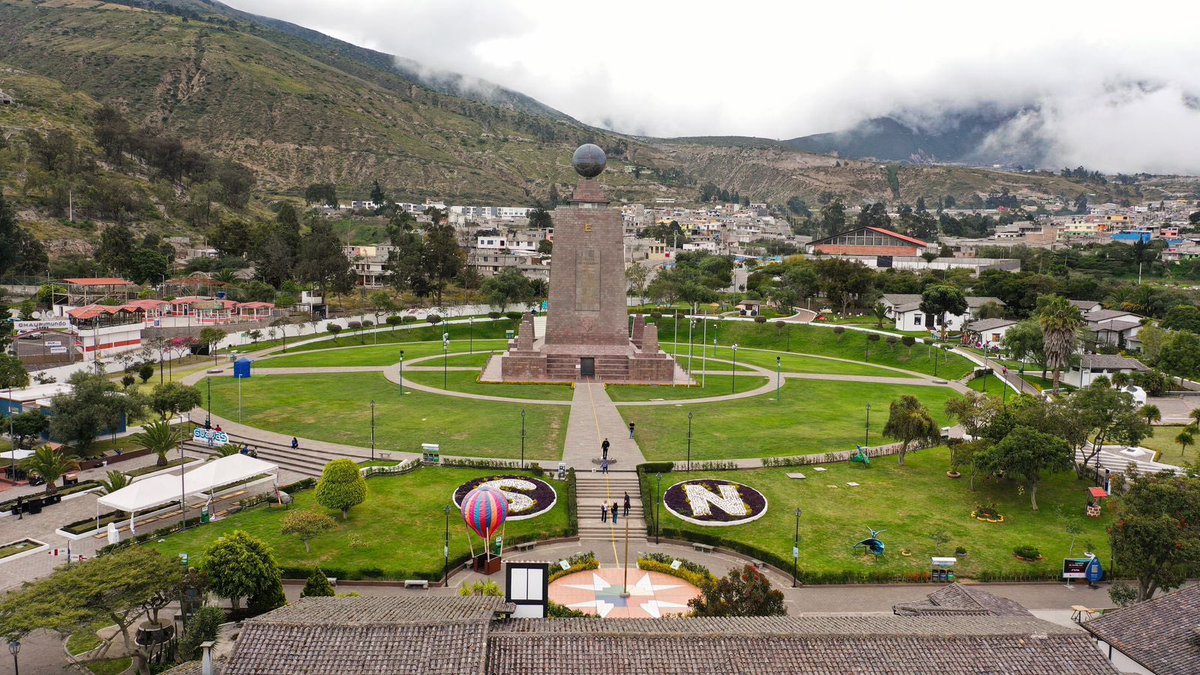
589 160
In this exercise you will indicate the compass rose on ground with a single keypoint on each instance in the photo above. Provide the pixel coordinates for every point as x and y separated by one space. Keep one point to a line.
651 594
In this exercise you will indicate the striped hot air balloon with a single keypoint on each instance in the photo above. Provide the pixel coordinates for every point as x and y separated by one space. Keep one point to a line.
484 510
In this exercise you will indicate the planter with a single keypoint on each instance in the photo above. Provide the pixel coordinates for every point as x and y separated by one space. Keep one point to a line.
153 633
483 565
1027 559
906 553
953 474
987 518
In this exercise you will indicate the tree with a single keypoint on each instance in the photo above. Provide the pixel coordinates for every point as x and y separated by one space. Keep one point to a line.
317 585
1107 414
341 486
92 407
333 329
742 592
209 337
1185 438
12 372
1183 317
1180 355
20 251
1060 322
1024 343
1024 454
114 481
321 260
941 300
160 438
377 196
145 372
443 259
508 287
50 465
173 398
880 312
540 219
241 566
148 265
1151 413
27 427
306 525
204 626
1156 534
833 217
282 324
637 276
321 194
974 411
910 422
116 249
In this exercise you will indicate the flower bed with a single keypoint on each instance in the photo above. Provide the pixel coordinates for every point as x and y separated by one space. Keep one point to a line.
693 573
528 497
19 547
693 501
580 562
987 514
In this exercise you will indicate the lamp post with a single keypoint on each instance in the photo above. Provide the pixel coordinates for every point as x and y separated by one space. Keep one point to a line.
867 438
14 647
778 376
658 509
1004 396
208 413
704 352
445 360
372 430
401 371
735 367
691 325
936 348
689 449
183 489
522 438
471 334
796 549
446 550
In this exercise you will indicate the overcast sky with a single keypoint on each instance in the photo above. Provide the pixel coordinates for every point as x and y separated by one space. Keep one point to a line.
1113 80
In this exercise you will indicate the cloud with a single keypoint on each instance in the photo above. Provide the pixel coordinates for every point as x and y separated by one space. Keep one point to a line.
780 70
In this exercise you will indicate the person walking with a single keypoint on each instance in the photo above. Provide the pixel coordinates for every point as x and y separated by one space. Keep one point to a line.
614 512
626 505
295 443
631 429
604 449
604 513
604 466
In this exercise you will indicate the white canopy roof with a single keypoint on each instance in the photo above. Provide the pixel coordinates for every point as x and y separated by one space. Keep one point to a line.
157 490
16 454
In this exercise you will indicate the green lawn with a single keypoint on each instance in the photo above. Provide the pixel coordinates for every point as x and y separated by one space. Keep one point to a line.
813 416
396 533
467 381
375 356
714 385
791 363
821 341
336 408
1163 442
908 503
459 332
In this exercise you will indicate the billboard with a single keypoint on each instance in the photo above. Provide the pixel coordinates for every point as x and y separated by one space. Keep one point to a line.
49 324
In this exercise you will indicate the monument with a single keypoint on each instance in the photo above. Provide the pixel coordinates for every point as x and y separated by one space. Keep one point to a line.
587 324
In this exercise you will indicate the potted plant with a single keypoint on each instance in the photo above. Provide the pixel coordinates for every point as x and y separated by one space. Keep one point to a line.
960 551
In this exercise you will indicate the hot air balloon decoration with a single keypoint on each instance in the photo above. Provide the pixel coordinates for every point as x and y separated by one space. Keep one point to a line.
484 510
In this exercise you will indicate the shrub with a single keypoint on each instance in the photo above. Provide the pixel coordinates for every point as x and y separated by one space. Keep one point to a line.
353 325
960 551
780 324
204 626
493 315
317 585
1027 552
838 330
1123 594
433 319
760 319
513 316
341 486
557 611
892 340
873 337
145 372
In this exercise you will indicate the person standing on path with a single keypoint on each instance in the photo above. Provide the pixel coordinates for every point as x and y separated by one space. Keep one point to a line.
626 514
614 512
631 429
604 466
604 449
604 513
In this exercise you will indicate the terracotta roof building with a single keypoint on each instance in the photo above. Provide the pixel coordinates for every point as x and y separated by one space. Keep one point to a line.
1162 635
868 241
433 634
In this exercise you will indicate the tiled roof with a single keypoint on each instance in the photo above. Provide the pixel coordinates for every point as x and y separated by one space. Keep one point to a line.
1106 314
901 237
376 610
989 324
1110 362
903 300
957 599
861 645
1085 304
1115 325
1159 634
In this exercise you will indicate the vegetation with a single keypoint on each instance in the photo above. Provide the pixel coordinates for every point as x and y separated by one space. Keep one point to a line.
742 592
317 585
308 524
910 422
160 438
1156 537
341 487
240 566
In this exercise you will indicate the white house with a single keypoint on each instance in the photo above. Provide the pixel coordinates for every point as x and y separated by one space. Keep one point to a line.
1115 327
1092 366
987 333
905 310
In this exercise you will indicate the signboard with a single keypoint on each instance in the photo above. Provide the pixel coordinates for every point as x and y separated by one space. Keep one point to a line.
49 324
210 437
528 587
58 350
1075 568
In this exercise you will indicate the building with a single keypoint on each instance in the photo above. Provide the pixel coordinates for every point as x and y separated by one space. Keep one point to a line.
970 633
1092 366
1115 327
987 333
905 310
868 241
369 264
1160 634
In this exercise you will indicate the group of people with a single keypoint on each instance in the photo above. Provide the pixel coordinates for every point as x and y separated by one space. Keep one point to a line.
615 510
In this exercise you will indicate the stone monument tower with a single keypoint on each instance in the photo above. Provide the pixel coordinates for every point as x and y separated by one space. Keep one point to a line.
587 325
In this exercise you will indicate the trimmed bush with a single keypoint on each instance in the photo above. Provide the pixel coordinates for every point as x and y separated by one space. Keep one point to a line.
317 585
341 487
204 626
1027 552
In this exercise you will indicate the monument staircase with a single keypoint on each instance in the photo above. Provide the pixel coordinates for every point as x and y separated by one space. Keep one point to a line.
594 488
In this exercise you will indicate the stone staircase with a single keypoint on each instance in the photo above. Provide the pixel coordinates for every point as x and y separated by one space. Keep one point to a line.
306 462
594 489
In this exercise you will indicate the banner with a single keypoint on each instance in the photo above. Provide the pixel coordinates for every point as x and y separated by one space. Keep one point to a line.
1075 568
210 437
49 324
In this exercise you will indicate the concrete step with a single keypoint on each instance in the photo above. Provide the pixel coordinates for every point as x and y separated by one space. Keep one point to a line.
305 468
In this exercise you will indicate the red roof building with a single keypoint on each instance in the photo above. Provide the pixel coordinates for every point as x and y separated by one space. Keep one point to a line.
869 241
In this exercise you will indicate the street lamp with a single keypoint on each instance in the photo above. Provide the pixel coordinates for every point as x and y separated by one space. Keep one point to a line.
522 438
208 413
735 367
471 333
867 439
658 509
445 360
778 376
1004 402
796 548
372 430
14 646
689 452
446 550
402 371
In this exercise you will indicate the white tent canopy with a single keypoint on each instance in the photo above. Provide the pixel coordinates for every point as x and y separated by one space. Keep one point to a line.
158 490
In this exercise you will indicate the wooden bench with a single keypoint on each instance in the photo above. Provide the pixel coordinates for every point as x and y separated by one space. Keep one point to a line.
706 548
416 583
524 546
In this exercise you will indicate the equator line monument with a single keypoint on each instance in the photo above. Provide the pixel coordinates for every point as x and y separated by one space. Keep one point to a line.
587 335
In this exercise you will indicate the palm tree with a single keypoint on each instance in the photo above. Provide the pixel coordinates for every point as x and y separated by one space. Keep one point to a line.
49 466
1195 415
160 438
1184 439
1152 414
115 481
880 312
1060 322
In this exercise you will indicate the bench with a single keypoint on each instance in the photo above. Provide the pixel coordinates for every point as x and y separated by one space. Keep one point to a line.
706 548
525 545
416 583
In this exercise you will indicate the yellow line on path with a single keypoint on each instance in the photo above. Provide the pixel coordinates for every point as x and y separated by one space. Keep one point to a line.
607 486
